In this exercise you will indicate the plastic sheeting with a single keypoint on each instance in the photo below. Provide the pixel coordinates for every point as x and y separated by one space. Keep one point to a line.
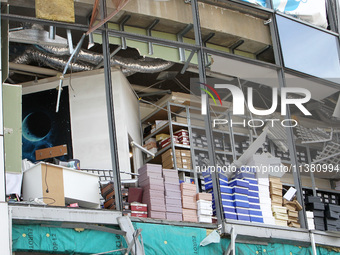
312 11
158 239
257 2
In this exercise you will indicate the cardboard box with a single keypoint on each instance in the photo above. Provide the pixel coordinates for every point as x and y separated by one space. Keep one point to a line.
139 214
174 216
160 137
204 196
173 208
169 154
156 214
187 192
205 211
188 186
170 173
204 219
153 182
171 180
173 201
135 195
134 206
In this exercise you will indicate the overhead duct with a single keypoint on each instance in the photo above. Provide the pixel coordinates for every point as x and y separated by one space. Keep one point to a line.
144 65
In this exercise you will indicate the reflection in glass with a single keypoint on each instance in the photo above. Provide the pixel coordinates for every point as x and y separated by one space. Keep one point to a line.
309 50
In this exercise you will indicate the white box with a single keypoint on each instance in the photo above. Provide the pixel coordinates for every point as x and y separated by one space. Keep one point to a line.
205 212
204 219
310 215
71 186
204 205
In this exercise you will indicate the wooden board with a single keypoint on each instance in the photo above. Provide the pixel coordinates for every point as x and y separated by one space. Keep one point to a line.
51 152
58 10
52 180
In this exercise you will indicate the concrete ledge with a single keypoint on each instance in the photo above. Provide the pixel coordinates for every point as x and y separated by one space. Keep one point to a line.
258 232
28 213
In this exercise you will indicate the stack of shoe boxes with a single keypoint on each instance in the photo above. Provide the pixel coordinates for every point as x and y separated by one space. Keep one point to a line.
226 195
108 194
248 174
186 159
332 220
173 200
310 220
315 205
240 197
151 180
204 207
279 211
293 215
182 136
168 159
265 201
189 204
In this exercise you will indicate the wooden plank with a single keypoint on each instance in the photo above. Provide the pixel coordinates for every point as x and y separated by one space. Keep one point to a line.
52 185
51 152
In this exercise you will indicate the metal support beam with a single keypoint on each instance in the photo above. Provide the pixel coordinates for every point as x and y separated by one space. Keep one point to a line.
313 243
110 111
121 28
231 246
180 39
148 33
258 53
187 62
69 40
289 130
52 32
309 158
204 41
207 117
236 45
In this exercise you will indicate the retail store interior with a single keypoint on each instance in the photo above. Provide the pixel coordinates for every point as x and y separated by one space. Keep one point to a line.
127 132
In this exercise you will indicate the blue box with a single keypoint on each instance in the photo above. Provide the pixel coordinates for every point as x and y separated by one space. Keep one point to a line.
208 185
240 190
251 181
231 216
253 187
254 206
226 202
244 175
223 182
237 196
252 193
253 212
207 179
226 196
243 217
242 210
226 189
206 174
256 219
241 203
229 209
254 200
239 183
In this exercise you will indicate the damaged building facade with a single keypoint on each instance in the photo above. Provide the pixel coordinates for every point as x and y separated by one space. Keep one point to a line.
164 127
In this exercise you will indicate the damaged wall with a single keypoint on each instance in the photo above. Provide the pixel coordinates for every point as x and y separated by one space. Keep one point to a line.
90 133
